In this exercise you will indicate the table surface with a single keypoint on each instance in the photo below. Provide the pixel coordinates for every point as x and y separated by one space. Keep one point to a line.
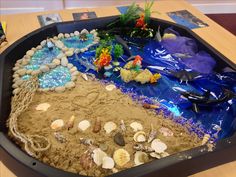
222 40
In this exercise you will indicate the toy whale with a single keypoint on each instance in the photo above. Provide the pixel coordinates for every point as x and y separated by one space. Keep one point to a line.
124 44
205 100
84 62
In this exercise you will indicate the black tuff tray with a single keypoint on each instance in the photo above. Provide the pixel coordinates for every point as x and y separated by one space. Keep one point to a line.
180 164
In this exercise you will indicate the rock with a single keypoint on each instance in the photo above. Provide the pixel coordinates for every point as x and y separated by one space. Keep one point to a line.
35 72
119 139
60 55
84 31
21 72
69 53
70 85
15 68
16 91
69 65
74 78
29 72
55 38
25 62
30 53
43 43
19 82
73 69
14 86
64 61
60 89
16 75
64 49
75 73
56 61
67 35
52 65
72 34
39 47
60 35
76 33
34 49
59 44
44 68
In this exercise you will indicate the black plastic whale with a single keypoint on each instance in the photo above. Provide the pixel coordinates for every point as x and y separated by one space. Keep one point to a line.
205 99
124 44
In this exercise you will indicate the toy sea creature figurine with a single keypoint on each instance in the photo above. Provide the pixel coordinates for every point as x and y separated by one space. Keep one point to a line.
205 100
137 63
84 62
124 44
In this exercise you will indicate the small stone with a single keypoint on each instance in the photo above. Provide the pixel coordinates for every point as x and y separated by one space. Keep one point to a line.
43 107
55 38
43 43
34 49
69 53
39 47
119 139
35 72
70 85
44 68
64 61
15 68
60 89
29 72
59 44
72 34
73 69
25 62
75 73
60 35
73 78
21 72
69 65
19 82
67 35
64 49
60 55
16 91
84 31
56 61
16 75
76 33
14 86
103 147
52 65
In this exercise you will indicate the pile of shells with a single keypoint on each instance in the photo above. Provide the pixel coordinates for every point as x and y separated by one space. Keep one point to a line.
61 60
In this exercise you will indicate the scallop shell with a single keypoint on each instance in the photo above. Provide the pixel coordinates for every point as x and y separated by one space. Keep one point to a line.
140 158
140 137
205 139
136 126
158 146
57 124
121 157
110 87
155 155
164 154
109 127
166 131
108 163
84 125
43 107
98 156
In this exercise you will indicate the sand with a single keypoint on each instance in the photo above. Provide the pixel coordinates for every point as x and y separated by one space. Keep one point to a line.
89 100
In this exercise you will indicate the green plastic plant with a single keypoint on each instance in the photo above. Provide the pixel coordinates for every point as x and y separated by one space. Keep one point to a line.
130 15
147 11
118 51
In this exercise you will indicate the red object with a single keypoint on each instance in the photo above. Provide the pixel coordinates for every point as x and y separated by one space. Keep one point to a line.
137 59
140 23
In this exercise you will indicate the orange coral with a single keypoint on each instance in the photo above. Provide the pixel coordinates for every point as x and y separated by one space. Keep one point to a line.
104 59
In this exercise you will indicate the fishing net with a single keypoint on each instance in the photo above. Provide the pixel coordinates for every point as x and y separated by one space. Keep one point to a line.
33 144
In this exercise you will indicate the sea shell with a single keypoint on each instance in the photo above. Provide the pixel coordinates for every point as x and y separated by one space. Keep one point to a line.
152 135
108 163
84 125
97 125
119 139
166 131
109 127
141 147
43 107
136 126
158 146
57 124
59 137
70 123
122 126
164 154
86 141
205 139
155 155
98 156
140 158
140 137
110 87
84 76
121 157
86 160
